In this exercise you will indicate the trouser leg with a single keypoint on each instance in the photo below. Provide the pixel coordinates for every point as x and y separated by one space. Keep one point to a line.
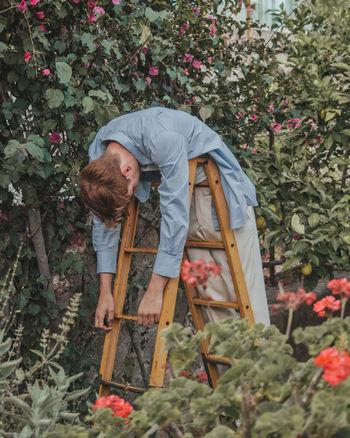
221 287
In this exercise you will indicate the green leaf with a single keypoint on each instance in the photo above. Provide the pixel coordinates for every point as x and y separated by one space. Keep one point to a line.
346 132
54 97
5 346
64 72
97 93
11 148
151 15
145 34
313 219
296 225
205 112
88 104
3 48
35 151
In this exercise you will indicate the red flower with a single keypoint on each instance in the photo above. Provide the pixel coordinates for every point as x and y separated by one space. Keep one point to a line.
198 272
184 374
201 377
340 287
40 15
336 366
327 303
27 56
119 406
22 6
55 137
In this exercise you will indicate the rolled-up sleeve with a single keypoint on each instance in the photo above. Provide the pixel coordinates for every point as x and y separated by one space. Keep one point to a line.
106 243
169 152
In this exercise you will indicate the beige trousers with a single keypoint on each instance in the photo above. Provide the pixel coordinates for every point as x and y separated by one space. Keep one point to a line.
221 287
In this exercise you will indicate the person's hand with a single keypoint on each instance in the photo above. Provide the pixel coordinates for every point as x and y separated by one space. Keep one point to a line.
151 303
104 311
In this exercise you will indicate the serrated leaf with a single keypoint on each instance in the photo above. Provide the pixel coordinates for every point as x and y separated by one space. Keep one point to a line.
54 97
11 148
296 225
64 72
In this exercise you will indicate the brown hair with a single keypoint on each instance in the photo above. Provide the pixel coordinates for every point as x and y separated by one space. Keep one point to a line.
103 189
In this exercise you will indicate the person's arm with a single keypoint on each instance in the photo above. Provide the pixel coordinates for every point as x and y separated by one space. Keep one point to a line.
106 243
169 152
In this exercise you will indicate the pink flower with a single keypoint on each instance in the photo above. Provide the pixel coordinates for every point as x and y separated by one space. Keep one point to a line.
287 101
34 2
153 71
148 80
42 28
198 272
22 6
188 57
91 4
98 10
213 28
92 18
116 2
55 137
181 32
291 300
187 102
64 28
239 114
210 58
76 1
194 99
186 72
40 15
253 116
27 56
197 64
270 108
145 50
256 98
46 72
277 126
196 10
307 143
185 26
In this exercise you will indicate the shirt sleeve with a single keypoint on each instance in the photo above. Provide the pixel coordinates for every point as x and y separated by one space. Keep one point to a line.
106 243
169 152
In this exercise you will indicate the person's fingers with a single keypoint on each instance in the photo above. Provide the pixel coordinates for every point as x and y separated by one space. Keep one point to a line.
110 317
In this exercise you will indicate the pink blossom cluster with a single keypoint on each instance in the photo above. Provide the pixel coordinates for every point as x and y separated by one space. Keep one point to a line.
290 300
329 304
197 272
23 4
55 137
195 63
183 29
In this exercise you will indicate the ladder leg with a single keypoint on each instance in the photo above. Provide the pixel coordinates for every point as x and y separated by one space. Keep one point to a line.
119 292
229 240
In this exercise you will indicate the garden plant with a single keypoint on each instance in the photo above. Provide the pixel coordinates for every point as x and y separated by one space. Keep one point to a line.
278 97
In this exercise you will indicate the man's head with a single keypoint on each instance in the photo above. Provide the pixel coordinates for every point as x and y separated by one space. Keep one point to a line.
108 183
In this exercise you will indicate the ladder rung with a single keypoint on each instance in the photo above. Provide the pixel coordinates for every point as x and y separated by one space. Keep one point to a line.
204 244
121 316
123 386
202 184
140 250
213 303
218 360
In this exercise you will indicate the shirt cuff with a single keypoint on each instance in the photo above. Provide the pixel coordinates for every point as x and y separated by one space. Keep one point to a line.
167 265
106 261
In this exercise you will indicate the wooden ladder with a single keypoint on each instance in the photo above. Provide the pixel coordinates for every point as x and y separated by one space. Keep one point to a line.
196 303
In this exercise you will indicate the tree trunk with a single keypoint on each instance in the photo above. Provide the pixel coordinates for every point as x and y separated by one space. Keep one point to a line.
36 234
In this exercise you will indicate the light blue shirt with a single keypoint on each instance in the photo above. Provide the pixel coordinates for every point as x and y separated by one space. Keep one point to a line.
169 138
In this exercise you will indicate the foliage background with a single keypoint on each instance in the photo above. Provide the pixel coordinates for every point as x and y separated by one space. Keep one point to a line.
99 70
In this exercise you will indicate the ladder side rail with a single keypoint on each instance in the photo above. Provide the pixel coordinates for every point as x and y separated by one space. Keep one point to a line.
119 292
229 240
